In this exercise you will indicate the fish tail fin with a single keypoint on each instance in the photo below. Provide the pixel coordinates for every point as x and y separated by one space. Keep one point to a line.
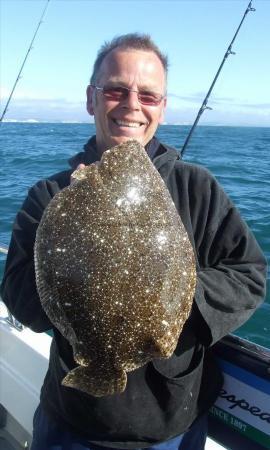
96 382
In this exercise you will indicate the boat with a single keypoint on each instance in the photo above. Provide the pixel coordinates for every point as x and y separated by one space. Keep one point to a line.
23 364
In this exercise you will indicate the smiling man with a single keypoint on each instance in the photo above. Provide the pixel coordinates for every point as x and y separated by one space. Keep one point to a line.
165 403
127 96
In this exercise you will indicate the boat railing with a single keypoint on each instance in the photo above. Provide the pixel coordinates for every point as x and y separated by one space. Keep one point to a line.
7 317
14 322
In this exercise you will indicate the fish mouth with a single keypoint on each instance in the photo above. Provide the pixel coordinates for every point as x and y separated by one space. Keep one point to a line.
128 123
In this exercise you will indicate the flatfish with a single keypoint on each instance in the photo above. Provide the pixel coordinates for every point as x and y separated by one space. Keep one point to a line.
115 269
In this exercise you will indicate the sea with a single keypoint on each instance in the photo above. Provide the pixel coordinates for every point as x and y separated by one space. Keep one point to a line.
239 157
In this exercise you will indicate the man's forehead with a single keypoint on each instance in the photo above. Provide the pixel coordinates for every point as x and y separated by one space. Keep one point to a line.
119 62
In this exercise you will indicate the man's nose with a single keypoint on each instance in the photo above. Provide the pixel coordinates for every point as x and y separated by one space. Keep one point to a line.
132 100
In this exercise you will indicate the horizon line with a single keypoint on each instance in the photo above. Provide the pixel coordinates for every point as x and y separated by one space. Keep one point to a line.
78 122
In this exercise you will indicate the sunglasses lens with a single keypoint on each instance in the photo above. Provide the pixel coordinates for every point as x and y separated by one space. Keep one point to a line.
149 98
119 93
115 93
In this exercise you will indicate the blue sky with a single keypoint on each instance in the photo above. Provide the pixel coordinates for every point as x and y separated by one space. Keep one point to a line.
194 34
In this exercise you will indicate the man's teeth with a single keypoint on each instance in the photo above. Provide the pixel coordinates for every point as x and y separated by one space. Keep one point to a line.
123 123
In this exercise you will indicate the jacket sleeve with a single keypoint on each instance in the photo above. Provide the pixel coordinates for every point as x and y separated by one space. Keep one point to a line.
18 288
231 269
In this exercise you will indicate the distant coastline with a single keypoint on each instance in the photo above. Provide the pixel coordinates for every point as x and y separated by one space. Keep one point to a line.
85 122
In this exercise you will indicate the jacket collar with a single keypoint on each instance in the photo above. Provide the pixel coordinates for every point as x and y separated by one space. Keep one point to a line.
88 156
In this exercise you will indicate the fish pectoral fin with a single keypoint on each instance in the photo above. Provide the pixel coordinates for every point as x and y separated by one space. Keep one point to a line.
96 381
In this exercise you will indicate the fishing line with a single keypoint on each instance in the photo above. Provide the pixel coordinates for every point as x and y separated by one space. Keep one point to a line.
24 61
204 103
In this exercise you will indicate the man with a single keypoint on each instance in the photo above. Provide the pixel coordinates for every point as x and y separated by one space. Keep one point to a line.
165 402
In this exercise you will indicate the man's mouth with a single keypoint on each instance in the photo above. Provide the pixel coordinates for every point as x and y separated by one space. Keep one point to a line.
127 123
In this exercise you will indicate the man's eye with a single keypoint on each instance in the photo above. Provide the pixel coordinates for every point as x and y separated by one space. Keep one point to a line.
114 91
119 89
150 98
149 95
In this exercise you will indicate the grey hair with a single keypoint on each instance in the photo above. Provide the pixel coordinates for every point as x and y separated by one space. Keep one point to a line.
133 41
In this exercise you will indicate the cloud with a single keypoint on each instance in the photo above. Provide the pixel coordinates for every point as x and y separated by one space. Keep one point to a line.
233 102
228 116
255 105
25 94
199 97
52 109
188 98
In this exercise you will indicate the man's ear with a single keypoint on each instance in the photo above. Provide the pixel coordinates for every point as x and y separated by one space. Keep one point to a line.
161 118
90 100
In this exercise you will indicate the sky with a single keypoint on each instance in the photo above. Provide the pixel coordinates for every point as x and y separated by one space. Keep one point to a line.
194 34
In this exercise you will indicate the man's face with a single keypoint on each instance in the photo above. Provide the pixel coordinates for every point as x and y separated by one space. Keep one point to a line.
118 121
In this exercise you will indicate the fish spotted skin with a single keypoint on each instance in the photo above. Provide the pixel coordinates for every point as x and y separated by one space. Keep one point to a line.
115 270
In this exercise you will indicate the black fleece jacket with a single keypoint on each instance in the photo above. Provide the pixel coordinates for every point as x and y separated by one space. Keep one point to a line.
164 397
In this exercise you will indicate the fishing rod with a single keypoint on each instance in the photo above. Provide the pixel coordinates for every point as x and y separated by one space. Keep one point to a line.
24 61
204 103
